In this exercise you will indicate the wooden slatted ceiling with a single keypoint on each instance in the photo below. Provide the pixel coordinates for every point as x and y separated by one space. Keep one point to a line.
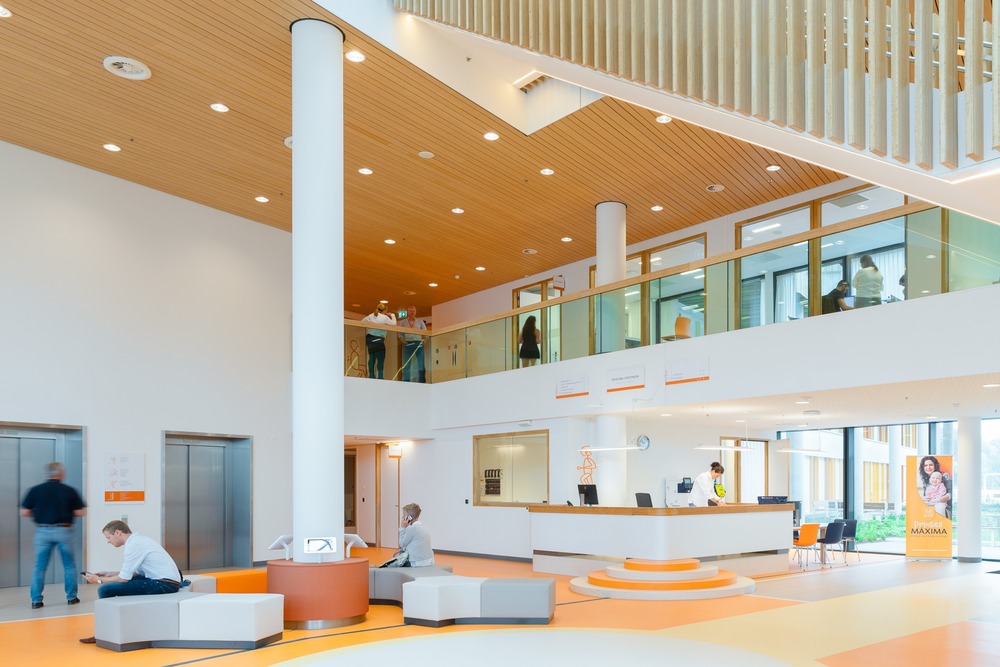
57 99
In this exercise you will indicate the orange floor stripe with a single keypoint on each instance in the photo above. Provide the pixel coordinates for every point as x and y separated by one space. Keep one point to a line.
646 565
959 644
601 578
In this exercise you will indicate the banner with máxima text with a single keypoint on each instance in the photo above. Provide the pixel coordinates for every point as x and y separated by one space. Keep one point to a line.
930 488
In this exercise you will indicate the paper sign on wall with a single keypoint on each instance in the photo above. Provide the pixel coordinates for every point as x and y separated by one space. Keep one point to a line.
570 387
125 478
681 371
625 379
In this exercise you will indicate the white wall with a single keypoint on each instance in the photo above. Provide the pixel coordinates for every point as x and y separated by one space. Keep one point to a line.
130 312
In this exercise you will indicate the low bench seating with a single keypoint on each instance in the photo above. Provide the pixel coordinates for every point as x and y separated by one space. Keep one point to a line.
385 584
446 600
189 620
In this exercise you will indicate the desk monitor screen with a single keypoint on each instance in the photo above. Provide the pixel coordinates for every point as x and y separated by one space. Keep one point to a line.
772 500
588 493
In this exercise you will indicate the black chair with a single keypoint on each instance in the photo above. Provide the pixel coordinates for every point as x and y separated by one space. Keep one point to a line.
850 535
643 500
834 533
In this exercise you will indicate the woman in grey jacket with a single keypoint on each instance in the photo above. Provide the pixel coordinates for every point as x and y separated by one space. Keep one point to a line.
415 538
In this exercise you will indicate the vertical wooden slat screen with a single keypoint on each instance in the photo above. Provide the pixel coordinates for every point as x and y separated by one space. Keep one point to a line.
814 67
900 43
995 69
948 82
923 85
834 75
974 147
679 29
777 77
759 61
878 77
795 18
742 55
666 71
856 73
726 58
694 39
709 52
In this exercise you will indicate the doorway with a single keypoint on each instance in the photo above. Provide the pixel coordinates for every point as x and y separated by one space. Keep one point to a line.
24 452
207 501
388 498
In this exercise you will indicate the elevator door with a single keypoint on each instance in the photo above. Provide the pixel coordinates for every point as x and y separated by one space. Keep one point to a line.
196 506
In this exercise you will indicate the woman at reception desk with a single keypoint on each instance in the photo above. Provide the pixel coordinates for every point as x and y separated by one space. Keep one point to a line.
704 492
749 538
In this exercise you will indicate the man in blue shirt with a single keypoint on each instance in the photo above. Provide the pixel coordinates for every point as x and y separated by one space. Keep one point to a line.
53 506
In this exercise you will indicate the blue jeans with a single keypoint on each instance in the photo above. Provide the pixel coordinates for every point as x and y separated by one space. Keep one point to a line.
137 585
413 357
46 539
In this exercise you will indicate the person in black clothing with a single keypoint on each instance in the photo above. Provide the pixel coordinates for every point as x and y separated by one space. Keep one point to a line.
528 340
834 301
53 506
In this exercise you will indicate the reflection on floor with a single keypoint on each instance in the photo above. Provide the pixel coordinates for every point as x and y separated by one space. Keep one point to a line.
882 610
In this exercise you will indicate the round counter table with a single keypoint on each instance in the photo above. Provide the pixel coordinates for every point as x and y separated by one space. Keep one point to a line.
321 595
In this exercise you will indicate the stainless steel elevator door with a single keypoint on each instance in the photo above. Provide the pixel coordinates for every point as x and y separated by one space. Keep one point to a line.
195 501
10 521
22 466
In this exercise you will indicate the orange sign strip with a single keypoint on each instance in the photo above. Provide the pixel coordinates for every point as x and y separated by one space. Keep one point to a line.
124 496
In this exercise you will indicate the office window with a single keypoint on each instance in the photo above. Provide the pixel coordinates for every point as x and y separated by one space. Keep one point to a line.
858 204
778 226
876 433
876 482
511 468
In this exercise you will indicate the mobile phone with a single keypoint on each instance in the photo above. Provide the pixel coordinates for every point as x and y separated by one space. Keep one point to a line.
409 518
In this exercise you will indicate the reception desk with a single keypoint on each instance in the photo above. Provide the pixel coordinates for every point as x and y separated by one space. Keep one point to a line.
751 539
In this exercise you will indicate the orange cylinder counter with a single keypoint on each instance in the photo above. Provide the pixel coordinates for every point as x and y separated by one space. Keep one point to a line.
321 595
241 581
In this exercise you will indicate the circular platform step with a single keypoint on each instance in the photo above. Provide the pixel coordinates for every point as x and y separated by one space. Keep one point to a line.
740 586
646 565
624 572
722 578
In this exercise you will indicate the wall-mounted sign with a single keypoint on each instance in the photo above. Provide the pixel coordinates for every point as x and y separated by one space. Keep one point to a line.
571 387
930 487
681 371
625 379
124 478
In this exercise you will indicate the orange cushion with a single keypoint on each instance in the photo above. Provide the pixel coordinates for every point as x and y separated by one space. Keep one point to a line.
240 581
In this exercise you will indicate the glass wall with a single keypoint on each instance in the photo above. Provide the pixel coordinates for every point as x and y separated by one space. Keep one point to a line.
774 227
860 203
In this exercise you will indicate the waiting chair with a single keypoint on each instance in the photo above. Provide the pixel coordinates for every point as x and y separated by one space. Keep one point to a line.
806 541
850 535
833 534
682 328
643 500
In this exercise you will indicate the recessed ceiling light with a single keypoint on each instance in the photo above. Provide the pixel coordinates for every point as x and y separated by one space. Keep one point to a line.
663 118
529 251
839 242
262 199
991 386
390 241
5 13
773 225
480 268
127 68
926 291
748 238
930 417
802 401
666 414
287 141
458 211
546 172
862 207
218 106
366 171
355 305
772 167
114 148
491 136
826 245
383 301
432 284
355 56
657 208
408 292
566 239
931 256
427 155
715 187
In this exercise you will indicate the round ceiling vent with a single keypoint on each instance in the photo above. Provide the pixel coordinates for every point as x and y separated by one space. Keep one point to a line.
529 251
127 68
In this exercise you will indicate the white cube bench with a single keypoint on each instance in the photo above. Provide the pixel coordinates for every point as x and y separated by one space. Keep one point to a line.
385 584
189 620
440 601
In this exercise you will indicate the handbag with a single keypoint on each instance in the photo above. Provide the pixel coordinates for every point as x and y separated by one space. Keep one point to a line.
374 343
399 559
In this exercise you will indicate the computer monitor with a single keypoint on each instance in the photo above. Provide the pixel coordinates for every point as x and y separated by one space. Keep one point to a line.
588 493
772 500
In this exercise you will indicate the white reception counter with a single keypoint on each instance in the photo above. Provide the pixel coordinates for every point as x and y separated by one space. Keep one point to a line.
751 539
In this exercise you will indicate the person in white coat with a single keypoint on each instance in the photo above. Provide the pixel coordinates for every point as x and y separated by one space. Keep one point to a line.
703 491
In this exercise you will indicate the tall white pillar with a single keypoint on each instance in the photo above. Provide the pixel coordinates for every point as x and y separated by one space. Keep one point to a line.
610 268
967 481
611 476
897 466
317 286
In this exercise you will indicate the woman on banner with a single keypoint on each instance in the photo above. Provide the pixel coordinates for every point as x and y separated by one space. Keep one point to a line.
935 485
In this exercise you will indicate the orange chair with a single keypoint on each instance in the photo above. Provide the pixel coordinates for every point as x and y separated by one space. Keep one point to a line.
806 541
682 328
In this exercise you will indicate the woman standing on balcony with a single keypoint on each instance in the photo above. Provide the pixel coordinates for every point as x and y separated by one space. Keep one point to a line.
528 340
867 284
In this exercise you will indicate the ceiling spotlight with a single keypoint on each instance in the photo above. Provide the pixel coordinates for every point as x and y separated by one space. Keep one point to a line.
262 199
427 155
114 148
529 251
390 241
218 106
491 136
861 207
772 167
432 284
480 268
663 119
546 172
566 239
355 56
458 211
656 208
5 13
287 141
991 386
666 414
931 257
366 171
408 292
802 401
383 301
127 68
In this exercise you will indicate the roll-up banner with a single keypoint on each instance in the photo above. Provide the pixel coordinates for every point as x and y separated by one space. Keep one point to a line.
928 506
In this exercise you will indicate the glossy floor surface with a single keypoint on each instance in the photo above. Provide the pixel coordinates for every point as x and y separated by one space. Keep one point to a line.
883 610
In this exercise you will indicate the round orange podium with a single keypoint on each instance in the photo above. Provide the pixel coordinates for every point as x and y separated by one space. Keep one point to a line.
321 595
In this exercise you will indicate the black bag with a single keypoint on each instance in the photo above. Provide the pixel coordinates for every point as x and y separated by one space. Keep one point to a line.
400 559
374 343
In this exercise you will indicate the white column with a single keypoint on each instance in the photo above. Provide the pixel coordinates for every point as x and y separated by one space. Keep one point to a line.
610 268
317 286
967 482
611 431
896 467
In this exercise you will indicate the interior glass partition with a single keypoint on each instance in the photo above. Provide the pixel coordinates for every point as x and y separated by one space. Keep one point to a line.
973 252
860 203
681 295
884 242
774 286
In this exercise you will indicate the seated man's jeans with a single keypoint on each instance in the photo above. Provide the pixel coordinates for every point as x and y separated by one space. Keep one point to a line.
138 585
48 538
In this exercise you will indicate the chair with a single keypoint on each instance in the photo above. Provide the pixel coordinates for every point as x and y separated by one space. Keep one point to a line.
682 329
643 500
806 541
834 533
850 535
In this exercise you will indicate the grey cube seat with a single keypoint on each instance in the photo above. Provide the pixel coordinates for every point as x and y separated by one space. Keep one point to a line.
385 584
529 600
